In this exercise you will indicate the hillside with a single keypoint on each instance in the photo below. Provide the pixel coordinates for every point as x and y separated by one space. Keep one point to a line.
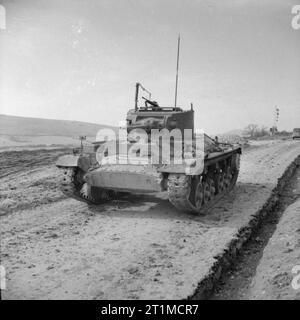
21 132
21 126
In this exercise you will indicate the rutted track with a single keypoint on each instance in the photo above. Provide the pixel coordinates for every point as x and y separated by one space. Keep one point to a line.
12 162
262 269
139 247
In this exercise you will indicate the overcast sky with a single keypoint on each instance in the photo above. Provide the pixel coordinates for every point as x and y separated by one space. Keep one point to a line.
80 59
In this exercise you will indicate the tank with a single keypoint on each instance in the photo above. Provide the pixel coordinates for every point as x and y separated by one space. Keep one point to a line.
158 150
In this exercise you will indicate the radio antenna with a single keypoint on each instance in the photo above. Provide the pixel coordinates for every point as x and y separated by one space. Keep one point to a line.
176 85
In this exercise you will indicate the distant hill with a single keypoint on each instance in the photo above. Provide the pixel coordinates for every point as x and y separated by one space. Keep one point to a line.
21 126
235 132
232 136
17 133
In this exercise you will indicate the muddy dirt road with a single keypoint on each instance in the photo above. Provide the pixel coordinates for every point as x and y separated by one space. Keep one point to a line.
140 247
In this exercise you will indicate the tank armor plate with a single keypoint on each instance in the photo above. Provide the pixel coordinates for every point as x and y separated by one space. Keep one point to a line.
128 178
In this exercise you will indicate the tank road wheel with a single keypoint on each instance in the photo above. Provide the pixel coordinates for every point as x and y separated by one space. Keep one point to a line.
221 182
212 188
209 191
228 177
199 195
206 192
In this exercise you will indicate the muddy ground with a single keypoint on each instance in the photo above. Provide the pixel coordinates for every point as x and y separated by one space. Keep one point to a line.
140 247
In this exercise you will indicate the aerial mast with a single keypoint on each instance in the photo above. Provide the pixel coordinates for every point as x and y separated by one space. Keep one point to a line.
176 85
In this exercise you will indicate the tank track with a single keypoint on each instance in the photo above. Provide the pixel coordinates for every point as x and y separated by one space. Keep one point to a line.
68 185
180 191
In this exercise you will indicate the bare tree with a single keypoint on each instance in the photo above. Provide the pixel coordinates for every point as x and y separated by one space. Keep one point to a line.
254 130
251 130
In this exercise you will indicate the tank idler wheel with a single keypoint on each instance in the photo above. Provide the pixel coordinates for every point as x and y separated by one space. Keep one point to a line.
199 195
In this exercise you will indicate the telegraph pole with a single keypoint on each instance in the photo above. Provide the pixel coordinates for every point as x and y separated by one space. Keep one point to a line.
276 118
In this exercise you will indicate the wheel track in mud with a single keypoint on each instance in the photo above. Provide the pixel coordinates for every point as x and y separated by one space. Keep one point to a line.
22 160
236 282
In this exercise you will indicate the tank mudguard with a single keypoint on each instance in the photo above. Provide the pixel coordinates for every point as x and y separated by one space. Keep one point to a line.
192 167
70 160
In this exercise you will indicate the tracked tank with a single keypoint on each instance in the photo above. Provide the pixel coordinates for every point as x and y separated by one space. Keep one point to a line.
158 150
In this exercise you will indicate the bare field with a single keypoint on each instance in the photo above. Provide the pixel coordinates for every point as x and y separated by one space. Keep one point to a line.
138 247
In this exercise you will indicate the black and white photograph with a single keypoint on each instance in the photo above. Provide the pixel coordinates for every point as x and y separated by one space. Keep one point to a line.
149 151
